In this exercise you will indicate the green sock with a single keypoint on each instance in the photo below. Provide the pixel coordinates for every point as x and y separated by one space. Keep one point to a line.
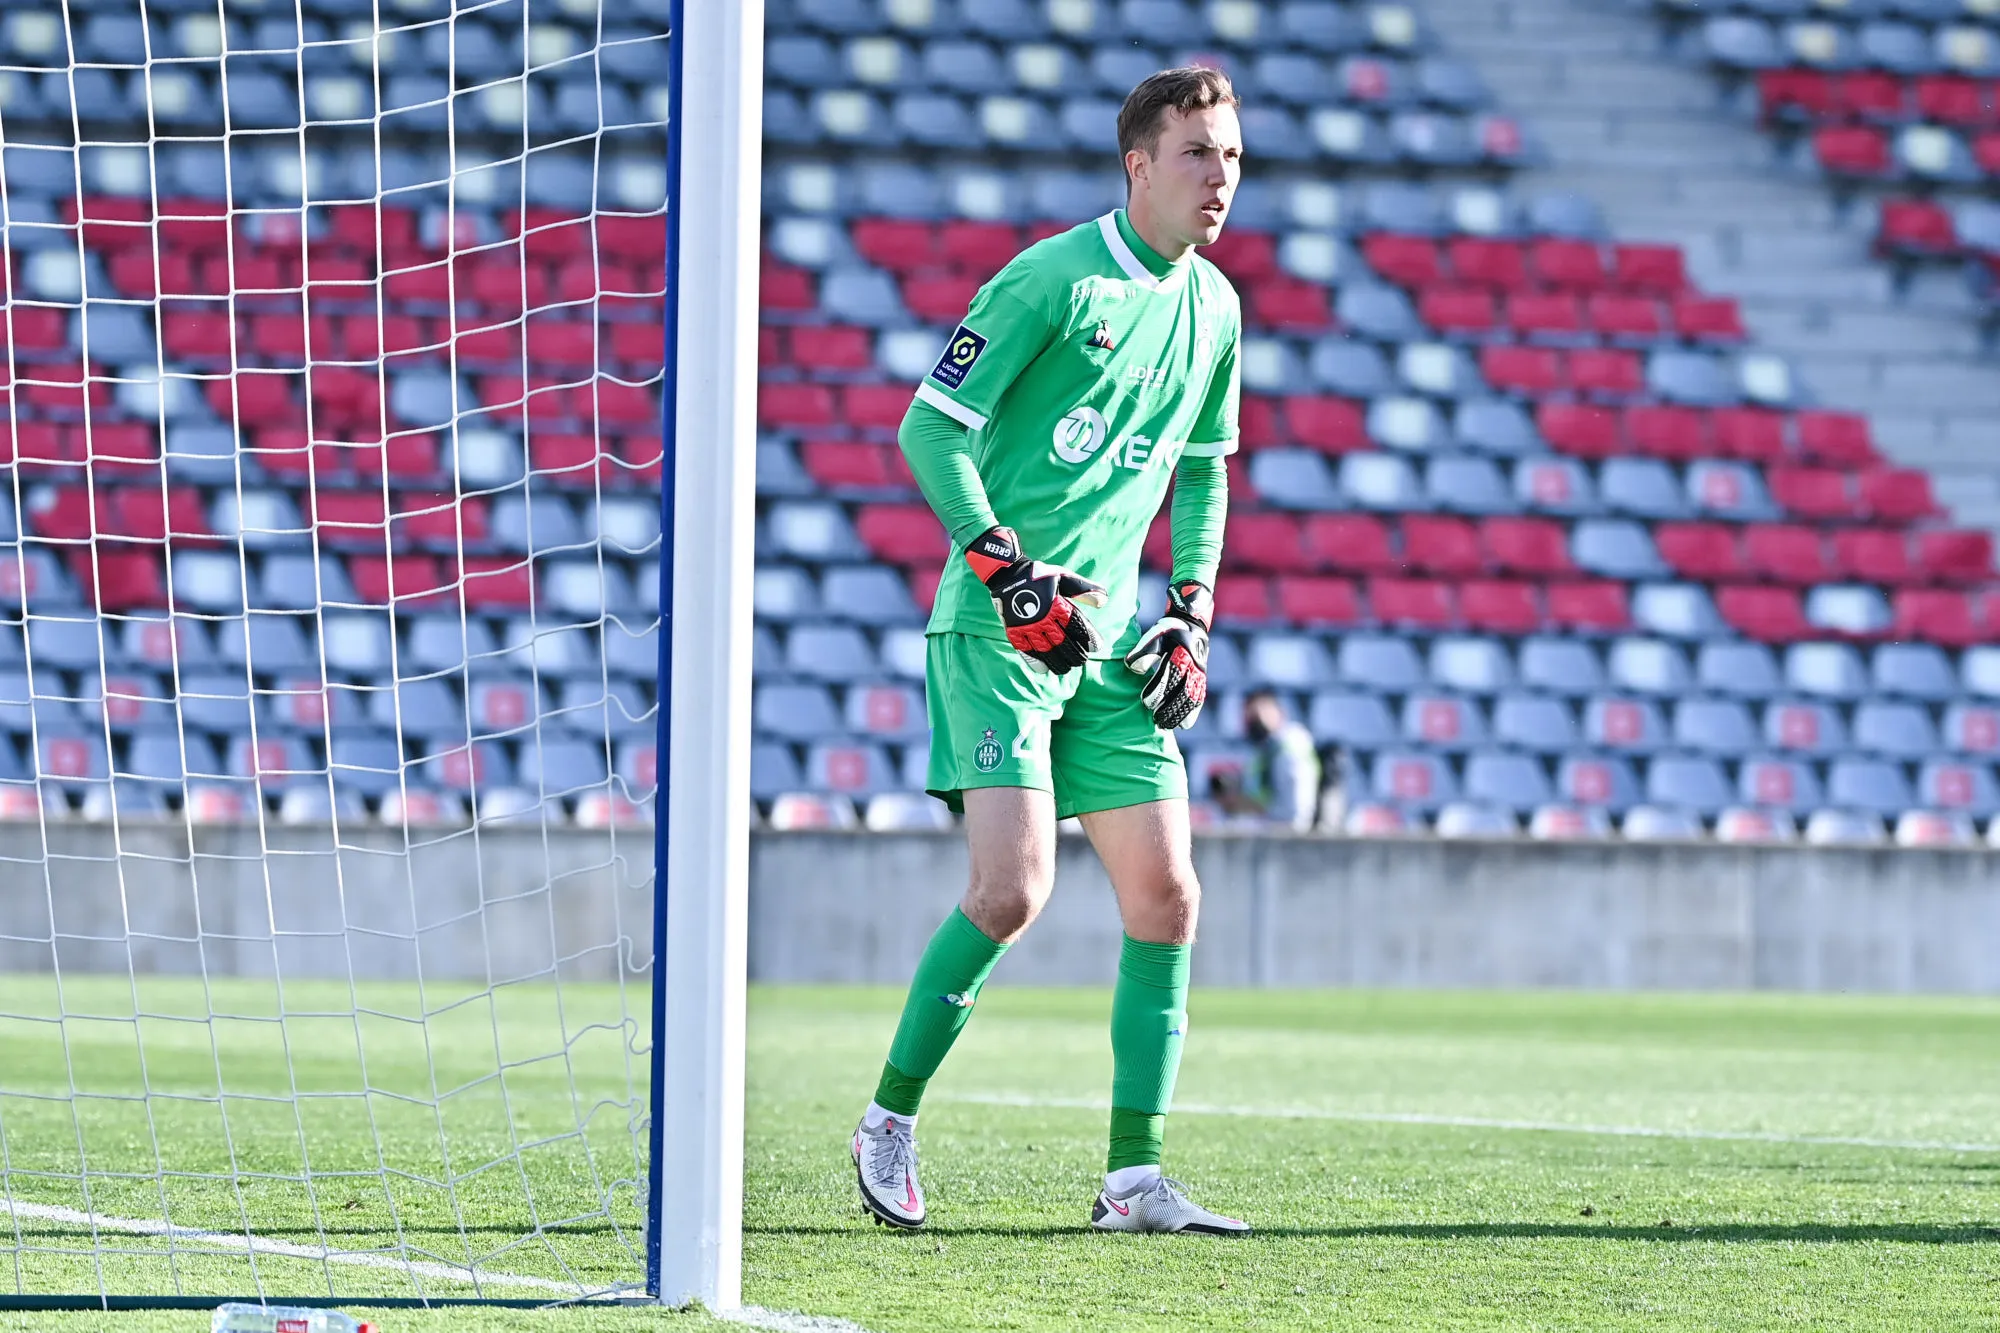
1148 1020
954 966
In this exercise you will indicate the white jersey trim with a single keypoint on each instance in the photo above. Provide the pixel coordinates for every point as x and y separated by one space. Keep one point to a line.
1107 226
957 411
1211 449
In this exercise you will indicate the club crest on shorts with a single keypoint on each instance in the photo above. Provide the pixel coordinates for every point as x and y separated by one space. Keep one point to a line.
986 755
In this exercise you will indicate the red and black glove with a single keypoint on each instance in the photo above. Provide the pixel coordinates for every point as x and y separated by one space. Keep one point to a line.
1037 603
1173 657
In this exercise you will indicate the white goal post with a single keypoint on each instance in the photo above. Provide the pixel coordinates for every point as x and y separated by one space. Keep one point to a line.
715 156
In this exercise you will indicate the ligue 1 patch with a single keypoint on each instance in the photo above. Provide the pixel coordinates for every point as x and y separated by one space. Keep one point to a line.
959 355
986 755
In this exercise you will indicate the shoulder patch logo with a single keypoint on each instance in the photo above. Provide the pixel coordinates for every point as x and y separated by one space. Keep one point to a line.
959 355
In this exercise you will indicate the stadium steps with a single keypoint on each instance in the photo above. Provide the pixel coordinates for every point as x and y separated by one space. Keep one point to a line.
1657 146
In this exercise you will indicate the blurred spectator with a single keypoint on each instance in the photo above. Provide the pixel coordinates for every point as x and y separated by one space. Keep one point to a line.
1281 782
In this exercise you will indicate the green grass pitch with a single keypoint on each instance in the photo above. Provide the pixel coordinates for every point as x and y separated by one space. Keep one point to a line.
1412 1160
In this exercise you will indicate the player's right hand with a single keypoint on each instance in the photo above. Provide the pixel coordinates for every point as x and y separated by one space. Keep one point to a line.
1038 603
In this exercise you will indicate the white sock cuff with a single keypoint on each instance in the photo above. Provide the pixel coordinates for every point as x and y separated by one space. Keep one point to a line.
876 1115
1128 1178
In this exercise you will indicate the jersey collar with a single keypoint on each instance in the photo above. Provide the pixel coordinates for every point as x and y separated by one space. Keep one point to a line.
1142 263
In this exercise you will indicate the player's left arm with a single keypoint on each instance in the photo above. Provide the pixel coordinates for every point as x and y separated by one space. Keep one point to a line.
1173 654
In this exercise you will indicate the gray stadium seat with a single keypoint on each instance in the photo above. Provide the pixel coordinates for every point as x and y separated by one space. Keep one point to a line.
1349 367
1294 479
1676 610
1379 662
1470 665
1848 609
1356 721
1745 670
424 708
1379 481
1289 661
1687 782
1560 666
1779 784
1616 548
1957 786
1643 486
1630 725
850 769
1803 726
1913 671
1412 779
1512 781
1596 780
68 643
1467 485
1728 490
1968 729
1874 785
783 593
1443 722
1828 670
1654 823
1713 726
795 712
1694 378
1399 206
561 767
1406 423
813 530
828 652
874 594
1740 43
1468 819
1845 828
1648 666
1377 311
889 712
1898 730
1531 722
1497 426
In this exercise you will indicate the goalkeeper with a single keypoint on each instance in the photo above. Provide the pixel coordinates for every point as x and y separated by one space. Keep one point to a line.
1095 368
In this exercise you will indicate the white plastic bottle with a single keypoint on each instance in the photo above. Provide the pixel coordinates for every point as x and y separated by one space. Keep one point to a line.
237 1317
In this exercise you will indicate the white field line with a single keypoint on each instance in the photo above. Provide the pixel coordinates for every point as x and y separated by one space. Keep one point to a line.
785 1321
231 1244
1477 1122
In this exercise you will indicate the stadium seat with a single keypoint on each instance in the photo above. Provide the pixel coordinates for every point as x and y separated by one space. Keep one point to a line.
1412 780
1627 725
1469 665
1442 722
1780 784
1805 727
1594 781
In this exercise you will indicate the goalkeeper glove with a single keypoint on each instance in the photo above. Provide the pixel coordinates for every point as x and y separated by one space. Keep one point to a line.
1037 603
1173 657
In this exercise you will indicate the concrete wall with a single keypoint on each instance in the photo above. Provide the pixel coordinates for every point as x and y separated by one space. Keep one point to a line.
516 902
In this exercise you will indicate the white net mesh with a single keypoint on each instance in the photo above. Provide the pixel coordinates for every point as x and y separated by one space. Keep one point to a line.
328 663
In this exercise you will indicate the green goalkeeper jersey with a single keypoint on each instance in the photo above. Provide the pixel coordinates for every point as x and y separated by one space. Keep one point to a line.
1084 370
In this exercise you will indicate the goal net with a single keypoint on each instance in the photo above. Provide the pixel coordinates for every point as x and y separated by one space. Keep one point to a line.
329 641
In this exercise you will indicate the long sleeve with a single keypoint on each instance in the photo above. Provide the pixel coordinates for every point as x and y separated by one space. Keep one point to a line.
1201 505
940 456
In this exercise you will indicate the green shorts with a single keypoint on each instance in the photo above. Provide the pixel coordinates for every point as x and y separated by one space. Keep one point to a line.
1083 736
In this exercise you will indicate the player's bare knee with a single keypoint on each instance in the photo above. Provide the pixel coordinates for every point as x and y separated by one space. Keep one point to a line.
1005 902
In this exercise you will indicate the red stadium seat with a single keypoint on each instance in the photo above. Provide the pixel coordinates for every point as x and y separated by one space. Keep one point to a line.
939 298
563 458
61 514
1713 319
1853 150
849 466
1953 99
1986 153
495 581
1897 495
1305 600
1500 607
1873 555
1266 542
1655 270
384 580
1532 371
1700 550
1247 256
439 519
1794 96
125 579
1290 303
1257 422
1819 493
1772 615
794 405
37 328
120 447
1411 603
197 334
1488 263
634 239
1408 261
1534 546
1577 265
1786 552
406 456
1574 428
1915 227
1462 310
1354 542
1837 439
1955 556
905 534
874 406
1624 317
1330 425
1441 545
1589 606
1754 434
780 287
978 249
561 344
1241 599
1606 372
348 518
1936 615
1544 314
1678 433
897 245
1870 95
